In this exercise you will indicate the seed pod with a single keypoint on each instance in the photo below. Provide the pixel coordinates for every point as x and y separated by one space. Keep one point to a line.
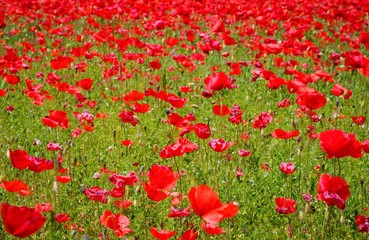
55 187
301 216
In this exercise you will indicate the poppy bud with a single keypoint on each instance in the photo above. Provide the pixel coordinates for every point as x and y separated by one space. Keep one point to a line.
301 216
307 208
137 190
55 187
156 148
328 216
289 231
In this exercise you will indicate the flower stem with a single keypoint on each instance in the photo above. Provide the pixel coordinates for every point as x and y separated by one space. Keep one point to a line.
327 221
291 183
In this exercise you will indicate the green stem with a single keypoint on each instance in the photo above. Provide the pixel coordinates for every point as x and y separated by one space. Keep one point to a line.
362 193
180 187
179 177
291 183
327 221
339 166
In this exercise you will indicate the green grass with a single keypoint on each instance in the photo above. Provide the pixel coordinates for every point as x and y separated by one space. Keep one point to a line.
254 192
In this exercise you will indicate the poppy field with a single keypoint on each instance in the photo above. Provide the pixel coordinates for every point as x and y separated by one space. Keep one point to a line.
184 119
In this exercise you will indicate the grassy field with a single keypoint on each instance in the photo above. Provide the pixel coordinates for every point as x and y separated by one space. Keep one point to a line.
184 120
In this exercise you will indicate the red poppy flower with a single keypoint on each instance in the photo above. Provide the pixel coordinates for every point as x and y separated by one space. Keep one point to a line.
133 96
354 59
296 87
185 89
284 103
17 186
127 143
265 167
279 133
85 84
244 136
262 120
211 228
337 143
54 146
162 177
221 110
123 204
86 120
11 79
162 234
56 118
2 92
21 221
155 64
362 223
219 145
141 108
117 192
96 194
182 146
365 145
218 81
235 115
235 69
161 180
61 62
206 204
121 181
171 41
177 120
189 235
207 94
359 120
63 179
311 99
128 117
179 212
287 168
285 205
19 159
102 115
333 191
62 217
155 194
76 132
117 222
244 153
176 101
338 90
44 207
202 130
37 164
